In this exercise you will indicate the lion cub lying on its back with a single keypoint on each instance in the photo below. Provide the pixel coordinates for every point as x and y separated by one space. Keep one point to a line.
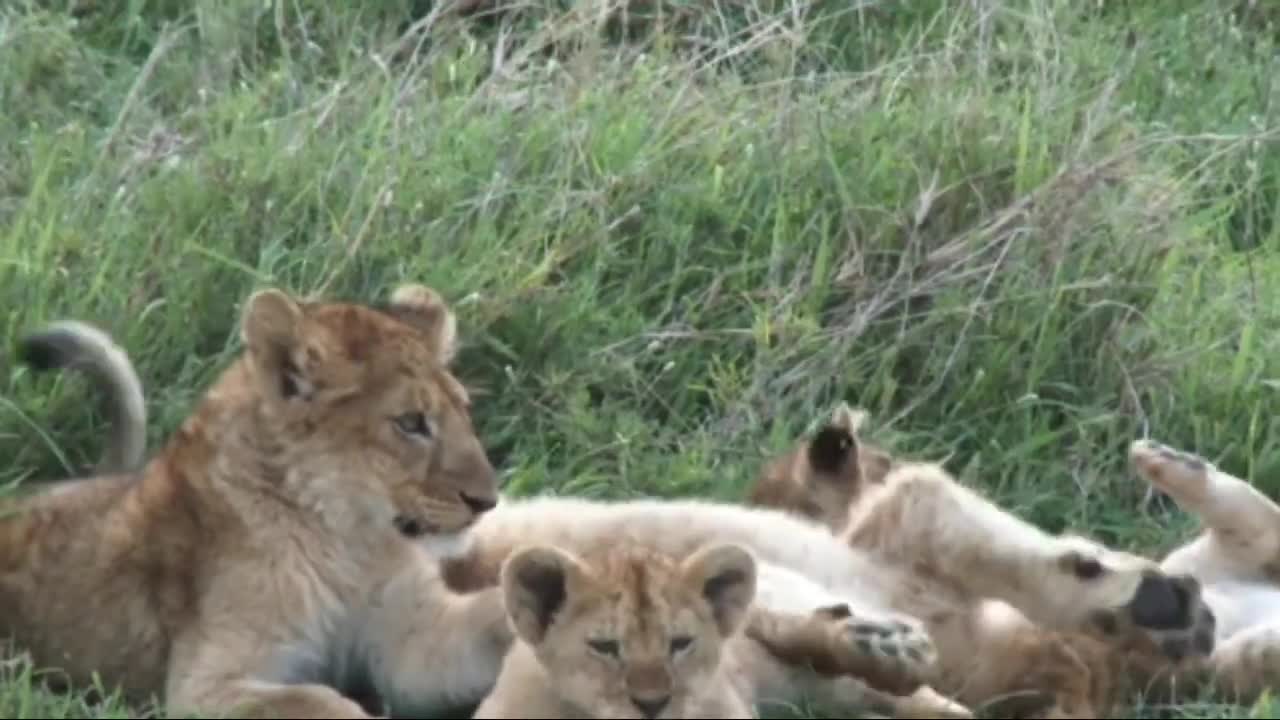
634 633
996 654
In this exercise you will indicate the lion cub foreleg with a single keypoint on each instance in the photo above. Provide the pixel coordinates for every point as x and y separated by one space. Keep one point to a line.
255 700
428 648
844 661
803 640
210 678
923 519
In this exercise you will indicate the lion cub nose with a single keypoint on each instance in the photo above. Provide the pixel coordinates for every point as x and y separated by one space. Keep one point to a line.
1161 603
650 707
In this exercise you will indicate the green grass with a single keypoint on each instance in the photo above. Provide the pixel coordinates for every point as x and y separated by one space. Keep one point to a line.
1020 233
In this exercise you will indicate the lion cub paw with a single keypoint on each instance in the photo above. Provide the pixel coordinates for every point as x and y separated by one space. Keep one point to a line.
1176 472
889 652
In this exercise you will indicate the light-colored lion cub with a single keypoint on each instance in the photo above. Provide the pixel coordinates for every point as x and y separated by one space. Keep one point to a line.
1236 558
629 632
919 545
997 650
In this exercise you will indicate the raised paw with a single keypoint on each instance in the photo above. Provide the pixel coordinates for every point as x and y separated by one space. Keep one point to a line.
1182 475
891 654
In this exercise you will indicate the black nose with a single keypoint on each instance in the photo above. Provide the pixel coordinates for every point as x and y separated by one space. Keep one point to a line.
478 505
651 707
1161 603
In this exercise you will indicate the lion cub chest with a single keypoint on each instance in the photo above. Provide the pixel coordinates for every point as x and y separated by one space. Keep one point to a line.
298 601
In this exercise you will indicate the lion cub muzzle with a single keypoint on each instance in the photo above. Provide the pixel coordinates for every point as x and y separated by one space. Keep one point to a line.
1163 603
649 686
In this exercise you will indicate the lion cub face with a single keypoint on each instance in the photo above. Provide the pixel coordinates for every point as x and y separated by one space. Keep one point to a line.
362 414
825 474
628 634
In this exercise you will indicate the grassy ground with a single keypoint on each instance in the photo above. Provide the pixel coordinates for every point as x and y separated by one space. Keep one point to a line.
1020 233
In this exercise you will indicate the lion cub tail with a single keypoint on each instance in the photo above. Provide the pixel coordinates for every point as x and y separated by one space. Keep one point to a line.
73 345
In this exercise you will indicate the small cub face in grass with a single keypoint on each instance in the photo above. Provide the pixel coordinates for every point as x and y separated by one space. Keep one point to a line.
625 632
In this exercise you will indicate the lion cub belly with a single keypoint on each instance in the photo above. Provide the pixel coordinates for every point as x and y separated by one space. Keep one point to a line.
1242 605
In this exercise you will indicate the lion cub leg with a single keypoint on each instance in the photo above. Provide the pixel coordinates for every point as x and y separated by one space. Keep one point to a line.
804 622
921 518
843 660
1242 538
226 674
888 654
256 699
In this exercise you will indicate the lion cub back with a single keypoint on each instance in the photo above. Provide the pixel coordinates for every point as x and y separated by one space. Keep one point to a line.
622 633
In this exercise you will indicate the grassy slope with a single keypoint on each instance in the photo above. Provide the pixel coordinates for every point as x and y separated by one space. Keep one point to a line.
1017 232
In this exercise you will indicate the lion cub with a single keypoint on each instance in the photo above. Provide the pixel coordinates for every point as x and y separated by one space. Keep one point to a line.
279 545
634 633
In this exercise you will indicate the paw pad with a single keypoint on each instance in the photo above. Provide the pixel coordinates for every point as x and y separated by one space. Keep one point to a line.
893 639
1151 453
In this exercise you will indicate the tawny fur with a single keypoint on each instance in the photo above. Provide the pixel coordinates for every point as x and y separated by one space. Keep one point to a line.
991 654
627 632
1236 558
279 544
262 554
921 546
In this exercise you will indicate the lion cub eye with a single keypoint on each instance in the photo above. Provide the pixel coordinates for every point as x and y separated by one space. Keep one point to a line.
608 648
413 424
680 643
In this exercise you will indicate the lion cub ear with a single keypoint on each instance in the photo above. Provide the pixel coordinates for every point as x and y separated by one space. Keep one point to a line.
836 444
831 449
425 309
535 587
270 332
725 576
848 419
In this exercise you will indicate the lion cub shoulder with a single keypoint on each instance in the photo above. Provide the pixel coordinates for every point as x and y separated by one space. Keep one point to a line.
622 633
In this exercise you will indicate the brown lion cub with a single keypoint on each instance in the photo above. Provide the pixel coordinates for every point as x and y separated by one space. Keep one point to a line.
246 568
630 632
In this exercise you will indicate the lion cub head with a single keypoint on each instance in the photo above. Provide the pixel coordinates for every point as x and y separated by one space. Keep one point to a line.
824 474
357 409
629 633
